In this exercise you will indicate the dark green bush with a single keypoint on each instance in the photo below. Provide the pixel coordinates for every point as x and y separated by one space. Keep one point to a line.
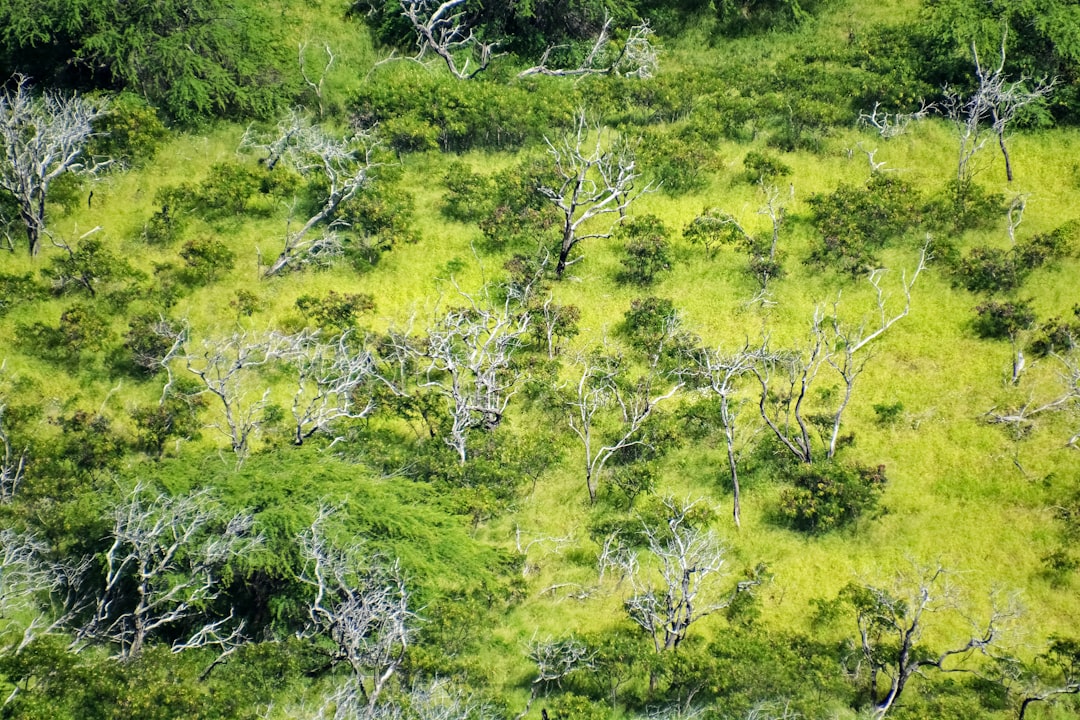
855 222
646 250
830 495
763 167
335 311
206 258
1057 335
1003 320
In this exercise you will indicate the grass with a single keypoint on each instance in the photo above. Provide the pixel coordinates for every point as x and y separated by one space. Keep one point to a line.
960 491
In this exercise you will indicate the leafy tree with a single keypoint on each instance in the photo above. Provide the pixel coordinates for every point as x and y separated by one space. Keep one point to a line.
192 58
646 249
830 495
206 257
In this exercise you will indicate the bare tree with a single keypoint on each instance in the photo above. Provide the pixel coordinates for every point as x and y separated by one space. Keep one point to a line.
990 108
602 391
890 125
689 561
1053 673
361 604
719 373
331 377
344 165
466 358
13 462
891 622
162 568
316 86
227 368
443 29
1020 419
635 57
30 585
42 138
590 182
785 377
554 660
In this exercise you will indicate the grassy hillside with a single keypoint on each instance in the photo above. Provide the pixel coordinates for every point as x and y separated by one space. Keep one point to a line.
500 552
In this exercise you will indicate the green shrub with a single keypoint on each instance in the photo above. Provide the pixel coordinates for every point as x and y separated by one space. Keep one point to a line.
206 258
831 495
764 168
646 249
1057 335
855 222
1003 320
130 134
335 311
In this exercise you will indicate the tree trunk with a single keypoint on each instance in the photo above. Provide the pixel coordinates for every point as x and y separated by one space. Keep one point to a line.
1005 152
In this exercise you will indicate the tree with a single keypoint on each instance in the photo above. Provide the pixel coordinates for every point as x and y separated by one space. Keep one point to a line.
341 166
43 138
162 569
225 368
688 563
891 622
996 101
719 373
589 183
601 391
785 377
1055 672
442 28
361 604
330 385
637 56
29 581
467 359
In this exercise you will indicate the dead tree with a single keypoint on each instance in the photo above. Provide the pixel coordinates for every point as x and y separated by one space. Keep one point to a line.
316 86
554 660
35 593
443 29
162 569
361 604
13 462
636 57
990 108
719 373
1053 673
1020 420
592 179
785 377
891 623
343 165
42 138
890 125
466 358
330 377
607 413
689 561
227 368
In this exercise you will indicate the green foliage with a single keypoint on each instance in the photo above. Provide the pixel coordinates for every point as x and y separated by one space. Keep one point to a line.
335 311
130 134
194 60
647 322
205 259
88 267
831 495
466 115
888 413
16 290
1057 335
646 249
83 331
763 167
856 222
1003 320
469 193
677 161
995 270
175 417
751 16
